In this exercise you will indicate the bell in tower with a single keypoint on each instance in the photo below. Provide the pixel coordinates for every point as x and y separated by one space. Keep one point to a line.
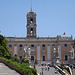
31 25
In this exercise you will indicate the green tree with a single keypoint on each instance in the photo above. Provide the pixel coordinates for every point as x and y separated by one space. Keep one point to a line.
14 58
4 52
26 60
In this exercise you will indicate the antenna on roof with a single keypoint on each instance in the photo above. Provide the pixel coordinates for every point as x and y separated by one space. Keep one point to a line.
31 5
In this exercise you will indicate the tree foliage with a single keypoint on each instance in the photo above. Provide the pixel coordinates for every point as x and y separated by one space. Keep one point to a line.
6 55
4 52
26 60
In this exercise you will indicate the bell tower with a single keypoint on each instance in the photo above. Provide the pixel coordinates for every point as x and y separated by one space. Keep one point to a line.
31 24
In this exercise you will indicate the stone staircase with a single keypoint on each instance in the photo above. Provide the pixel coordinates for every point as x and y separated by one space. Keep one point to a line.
5 70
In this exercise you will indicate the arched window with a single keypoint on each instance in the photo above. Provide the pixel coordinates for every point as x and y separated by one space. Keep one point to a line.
31 29
20 57
31 21
32 58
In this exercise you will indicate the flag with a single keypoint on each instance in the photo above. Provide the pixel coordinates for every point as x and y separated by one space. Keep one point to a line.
31 34
63 33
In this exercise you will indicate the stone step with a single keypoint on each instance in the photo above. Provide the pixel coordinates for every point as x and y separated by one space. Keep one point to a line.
5 70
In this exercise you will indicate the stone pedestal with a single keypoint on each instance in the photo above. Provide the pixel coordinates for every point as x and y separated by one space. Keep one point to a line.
58 59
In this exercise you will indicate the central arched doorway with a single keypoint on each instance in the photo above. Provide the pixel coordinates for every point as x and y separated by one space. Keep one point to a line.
32 60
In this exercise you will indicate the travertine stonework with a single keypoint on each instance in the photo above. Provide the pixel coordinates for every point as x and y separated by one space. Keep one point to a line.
41 47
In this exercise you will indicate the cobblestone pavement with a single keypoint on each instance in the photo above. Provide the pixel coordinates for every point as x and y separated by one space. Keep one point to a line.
46 72
73 71
4 70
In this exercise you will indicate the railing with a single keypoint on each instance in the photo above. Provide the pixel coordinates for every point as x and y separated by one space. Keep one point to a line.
32 52
38 38
71 61
11 66
60 70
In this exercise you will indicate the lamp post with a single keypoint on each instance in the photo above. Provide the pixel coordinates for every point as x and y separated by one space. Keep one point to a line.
42 70
27 54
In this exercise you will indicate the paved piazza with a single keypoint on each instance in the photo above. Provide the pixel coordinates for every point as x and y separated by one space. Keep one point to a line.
4 70
73 71
46 72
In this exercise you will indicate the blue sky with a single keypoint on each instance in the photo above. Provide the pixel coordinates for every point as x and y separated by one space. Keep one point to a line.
54 17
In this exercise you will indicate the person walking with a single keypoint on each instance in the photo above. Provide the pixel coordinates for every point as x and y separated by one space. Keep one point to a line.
42 72
45 67
48 68
34 66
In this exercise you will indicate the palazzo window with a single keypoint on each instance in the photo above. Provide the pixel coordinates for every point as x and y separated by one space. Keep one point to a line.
53 45
32 45
43 45
65 45
20 57
31 30
66 57
31 21
20 45
43 58
32 58
10 46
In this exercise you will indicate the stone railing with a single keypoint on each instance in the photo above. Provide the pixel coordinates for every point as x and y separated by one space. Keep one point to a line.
11 66
60 70
37 39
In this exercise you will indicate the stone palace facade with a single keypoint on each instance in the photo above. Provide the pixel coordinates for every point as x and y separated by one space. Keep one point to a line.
42 48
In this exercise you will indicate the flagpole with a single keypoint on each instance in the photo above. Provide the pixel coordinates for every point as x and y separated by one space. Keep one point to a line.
31 5
0 32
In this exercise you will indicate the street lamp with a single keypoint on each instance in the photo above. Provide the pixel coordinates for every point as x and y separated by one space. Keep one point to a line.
27 54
